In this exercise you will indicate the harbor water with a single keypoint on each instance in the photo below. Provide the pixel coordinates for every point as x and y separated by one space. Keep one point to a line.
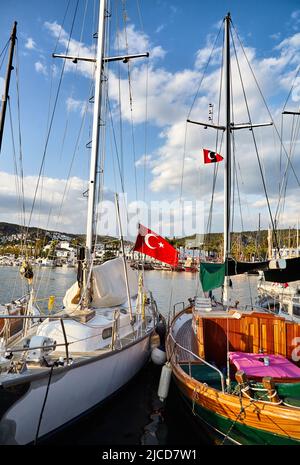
135 415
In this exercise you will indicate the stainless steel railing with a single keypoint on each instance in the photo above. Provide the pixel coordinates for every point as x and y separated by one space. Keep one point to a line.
201 360
41 317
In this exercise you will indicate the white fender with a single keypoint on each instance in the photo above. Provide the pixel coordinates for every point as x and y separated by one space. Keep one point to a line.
164 382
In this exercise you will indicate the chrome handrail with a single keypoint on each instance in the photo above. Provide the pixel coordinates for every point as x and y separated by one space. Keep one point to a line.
42 317
174 311
202 360
178 303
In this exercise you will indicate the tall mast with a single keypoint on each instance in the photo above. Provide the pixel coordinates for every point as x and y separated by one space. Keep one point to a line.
96 131
94 155
7 80
100 59
227 167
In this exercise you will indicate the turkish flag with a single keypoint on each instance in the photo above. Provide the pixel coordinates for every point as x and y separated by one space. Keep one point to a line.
155 246
211 157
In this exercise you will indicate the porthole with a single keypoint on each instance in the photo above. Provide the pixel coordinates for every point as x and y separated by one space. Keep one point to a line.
106 333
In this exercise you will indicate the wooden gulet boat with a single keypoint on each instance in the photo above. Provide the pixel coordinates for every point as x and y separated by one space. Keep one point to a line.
237 369
197 350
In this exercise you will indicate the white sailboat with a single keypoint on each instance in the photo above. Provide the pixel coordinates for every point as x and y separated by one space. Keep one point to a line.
54 371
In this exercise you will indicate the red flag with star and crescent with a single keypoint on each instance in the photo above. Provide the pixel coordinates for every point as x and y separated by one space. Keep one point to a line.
150 243
211 157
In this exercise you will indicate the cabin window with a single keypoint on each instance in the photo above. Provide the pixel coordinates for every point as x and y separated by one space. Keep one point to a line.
296 310
106 333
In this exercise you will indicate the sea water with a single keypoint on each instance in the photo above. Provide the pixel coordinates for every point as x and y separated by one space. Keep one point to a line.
135 415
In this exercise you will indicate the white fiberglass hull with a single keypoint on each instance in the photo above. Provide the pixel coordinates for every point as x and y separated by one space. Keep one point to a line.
73 391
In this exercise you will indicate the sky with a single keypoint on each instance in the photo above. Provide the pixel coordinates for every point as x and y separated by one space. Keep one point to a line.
158 155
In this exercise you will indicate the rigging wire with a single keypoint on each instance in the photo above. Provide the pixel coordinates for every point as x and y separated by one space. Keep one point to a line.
292 87
146 107
62 26
146 132
289 163
256 148
191 108
102 135
67 186
17 181
118 33
53 66
4 51
77 142
130 97
293 141
116 148
15 159
67 182
20 135
216 166
51 121
82 27
49 124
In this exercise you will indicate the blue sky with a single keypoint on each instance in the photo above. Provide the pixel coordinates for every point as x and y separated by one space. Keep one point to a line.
179 35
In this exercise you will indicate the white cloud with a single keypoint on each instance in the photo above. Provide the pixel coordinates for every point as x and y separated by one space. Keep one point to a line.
53 189
170 95
137 42
295 17
76 48
144 160
58 197
30 44
76 105
167 94
203 55
275 36
54 70
160 28
41 68
2 81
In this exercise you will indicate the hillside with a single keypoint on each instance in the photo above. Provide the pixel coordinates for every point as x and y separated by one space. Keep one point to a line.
11 233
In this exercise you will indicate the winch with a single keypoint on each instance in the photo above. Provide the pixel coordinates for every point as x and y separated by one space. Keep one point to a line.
38 348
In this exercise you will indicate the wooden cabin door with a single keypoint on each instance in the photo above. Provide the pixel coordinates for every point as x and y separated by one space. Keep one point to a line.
249 334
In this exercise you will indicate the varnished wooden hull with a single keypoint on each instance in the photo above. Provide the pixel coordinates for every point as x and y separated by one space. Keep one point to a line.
236 419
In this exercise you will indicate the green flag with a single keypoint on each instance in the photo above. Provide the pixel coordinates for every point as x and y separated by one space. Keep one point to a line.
212 275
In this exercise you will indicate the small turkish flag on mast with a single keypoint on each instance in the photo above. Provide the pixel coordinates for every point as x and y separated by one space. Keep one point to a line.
155 246
211 157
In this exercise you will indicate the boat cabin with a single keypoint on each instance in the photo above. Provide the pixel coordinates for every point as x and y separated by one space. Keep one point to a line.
247 333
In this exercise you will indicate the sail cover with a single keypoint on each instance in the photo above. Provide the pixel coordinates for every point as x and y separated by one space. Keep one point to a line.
108 284
234 267
290 273
212 274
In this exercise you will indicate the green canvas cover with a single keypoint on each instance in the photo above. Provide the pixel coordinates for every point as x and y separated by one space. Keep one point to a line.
212 275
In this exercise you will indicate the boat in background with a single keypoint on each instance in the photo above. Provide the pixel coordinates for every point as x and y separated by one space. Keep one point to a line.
190 266
280 298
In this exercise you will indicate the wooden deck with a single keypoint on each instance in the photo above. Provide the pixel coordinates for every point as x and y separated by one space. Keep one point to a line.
186 338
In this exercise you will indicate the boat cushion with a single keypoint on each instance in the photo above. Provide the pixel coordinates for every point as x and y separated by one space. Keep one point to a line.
253 365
